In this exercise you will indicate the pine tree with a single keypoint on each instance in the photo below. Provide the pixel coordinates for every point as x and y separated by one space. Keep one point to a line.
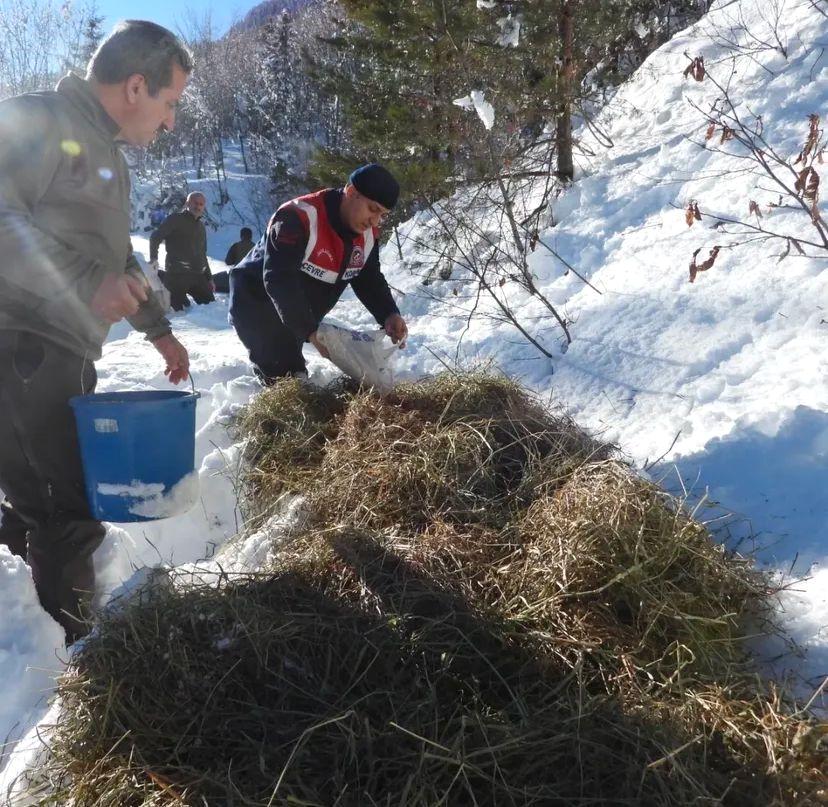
410 60
91 37
291 114
414 58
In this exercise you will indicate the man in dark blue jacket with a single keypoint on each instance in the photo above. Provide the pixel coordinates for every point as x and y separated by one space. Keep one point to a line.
313 248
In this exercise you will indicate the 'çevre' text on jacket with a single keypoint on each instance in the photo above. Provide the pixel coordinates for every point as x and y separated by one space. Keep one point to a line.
308 257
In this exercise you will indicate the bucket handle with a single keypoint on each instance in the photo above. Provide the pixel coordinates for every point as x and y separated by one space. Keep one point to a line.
192 384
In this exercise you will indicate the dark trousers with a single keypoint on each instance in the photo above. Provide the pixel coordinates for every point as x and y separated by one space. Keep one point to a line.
273 348
221 280
46 513
13 530
180 284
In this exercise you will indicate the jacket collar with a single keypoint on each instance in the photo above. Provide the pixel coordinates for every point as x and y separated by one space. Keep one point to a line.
333 199
80 93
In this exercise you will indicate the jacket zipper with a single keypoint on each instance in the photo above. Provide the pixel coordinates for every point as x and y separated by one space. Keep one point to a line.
346 257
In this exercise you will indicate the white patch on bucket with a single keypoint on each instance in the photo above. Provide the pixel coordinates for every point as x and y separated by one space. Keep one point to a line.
106 425
180 498
135 490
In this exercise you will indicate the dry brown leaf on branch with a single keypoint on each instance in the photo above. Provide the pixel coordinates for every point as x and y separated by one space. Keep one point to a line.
727 134
693 268
711 130
692 213
811 191
791 242
802 180
813 135
753 209
807 183
705 265
695 69
760 125
811 141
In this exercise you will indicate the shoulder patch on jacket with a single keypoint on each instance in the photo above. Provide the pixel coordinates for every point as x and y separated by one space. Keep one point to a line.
286 228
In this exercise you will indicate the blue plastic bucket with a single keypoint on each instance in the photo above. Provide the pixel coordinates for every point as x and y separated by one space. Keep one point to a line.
138 452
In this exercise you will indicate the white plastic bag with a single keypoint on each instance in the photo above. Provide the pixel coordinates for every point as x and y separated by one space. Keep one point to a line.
360 354
153 281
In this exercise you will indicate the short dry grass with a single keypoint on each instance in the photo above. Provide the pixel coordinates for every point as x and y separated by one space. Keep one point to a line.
486 608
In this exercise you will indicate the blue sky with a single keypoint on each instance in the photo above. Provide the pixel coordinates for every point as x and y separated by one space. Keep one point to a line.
174 15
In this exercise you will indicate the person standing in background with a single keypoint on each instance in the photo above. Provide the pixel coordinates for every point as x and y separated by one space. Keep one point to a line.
221 280
187 270
240 248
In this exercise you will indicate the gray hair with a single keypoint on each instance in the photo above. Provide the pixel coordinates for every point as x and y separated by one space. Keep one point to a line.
139 46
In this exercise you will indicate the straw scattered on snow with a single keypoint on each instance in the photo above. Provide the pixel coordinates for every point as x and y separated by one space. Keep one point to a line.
487 608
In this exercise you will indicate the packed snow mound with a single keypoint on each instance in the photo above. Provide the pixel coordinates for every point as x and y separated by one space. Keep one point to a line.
28 657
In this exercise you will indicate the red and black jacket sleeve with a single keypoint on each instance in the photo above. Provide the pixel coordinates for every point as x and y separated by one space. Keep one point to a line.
285 247
371 289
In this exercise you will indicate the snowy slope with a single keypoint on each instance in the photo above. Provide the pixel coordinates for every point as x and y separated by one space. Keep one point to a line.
723 379
734 354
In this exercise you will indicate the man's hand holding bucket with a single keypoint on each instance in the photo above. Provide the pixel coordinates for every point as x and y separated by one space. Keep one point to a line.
176 357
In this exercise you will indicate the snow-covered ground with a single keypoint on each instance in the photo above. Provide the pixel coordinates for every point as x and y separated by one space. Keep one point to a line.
722 380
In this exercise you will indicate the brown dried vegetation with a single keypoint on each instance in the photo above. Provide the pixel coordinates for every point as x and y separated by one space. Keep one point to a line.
485 608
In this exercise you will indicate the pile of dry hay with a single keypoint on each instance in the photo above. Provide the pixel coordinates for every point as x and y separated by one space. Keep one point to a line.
487 609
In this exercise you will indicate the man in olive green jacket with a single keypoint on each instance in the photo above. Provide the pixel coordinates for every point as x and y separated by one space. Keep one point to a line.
67 273
187 270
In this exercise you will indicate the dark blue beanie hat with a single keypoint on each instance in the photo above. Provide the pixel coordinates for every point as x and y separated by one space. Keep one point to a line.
377 184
